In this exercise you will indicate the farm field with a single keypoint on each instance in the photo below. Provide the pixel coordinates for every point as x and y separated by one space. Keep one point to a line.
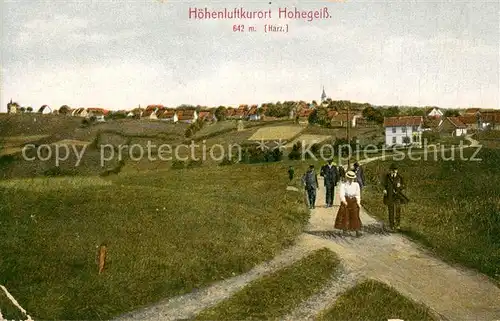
276 133
308 139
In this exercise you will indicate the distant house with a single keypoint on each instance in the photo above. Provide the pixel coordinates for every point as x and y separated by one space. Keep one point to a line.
149 114
342 119
403 130
45 109
12 109
187 116
207 115
472 111
230 112
241 112
94 111
434 112
79 112
452 126
304 115
469 120
169 115
253 113
491 119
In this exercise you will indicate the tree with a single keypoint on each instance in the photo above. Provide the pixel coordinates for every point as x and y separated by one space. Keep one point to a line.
29 109
64 109
392 111
451 113
220 113
22 109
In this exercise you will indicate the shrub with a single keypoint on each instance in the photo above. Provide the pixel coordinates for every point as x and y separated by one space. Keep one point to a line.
189 132
58 171
177 164
194 163
226 161
295 153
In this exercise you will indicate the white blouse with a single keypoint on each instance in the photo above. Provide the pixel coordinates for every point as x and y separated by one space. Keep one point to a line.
350 189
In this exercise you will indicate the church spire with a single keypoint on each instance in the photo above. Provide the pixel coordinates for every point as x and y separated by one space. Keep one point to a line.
323 95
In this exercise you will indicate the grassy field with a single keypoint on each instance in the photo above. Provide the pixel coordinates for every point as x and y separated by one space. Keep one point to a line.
167 233
374 301
454 208
275 295
8 310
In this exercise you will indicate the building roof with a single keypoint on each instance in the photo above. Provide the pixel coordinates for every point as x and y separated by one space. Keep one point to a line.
304 112
455 121
403 121
167 114
468 119
472 110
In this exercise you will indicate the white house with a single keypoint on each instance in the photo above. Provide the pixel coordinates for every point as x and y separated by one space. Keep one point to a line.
45 110
150 113
79 112
435 113
403 131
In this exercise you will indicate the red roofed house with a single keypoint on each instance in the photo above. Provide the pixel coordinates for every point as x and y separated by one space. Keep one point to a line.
168 115
241 112
207 115
491 118
304 114
452 126
403 130
187 116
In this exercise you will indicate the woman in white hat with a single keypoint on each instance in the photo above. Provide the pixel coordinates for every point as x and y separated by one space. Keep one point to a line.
350 203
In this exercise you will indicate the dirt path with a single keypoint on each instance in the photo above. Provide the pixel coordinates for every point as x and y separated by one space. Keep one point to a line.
451 292
454 293
187 306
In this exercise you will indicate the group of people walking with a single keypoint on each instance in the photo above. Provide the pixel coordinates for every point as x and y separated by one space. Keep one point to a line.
351 185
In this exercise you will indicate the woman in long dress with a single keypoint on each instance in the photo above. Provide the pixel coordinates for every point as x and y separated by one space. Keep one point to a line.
350 202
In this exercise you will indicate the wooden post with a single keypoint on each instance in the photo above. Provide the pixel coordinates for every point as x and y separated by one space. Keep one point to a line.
102 257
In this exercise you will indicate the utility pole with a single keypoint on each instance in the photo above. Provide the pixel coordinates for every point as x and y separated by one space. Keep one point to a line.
348 137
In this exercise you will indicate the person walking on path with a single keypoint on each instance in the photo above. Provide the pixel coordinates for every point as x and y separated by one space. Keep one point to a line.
360 175
291 173
393 196
350 203
310 181
341 172
331 177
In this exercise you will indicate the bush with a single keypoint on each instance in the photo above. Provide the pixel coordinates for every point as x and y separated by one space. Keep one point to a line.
226 161
189 132
194 163
295 153
177 164
58 171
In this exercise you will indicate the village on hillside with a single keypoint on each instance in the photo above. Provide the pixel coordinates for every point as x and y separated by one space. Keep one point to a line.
403 126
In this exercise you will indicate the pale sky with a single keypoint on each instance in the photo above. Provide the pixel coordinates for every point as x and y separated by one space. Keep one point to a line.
119 54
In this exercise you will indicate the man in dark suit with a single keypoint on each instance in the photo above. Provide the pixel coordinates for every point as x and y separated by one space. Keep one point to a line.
360 175
393 196
331 177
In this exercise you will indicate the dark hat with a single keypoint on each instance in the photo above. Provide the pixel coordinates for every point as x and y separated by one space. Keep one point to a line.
330 161
356 164
311 166
393 166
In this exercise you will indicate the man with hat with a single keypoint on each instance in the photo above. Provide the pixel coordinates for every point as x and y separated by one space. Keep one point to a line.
331 177
393 196
310 181
360 176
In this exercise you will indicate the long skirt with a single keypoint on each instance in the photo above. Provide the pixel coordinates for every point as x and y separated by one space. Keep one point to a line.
348 216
